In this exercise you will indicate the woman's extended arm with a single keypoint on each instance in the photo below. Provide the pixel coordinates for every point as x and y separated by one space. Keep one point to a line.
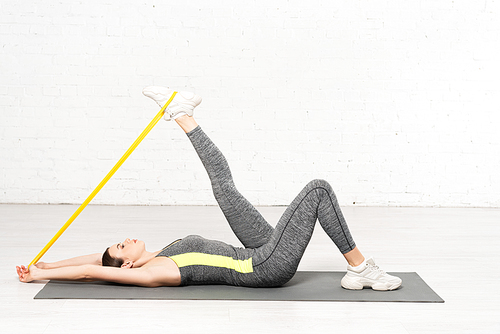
64 273
159 273
95 259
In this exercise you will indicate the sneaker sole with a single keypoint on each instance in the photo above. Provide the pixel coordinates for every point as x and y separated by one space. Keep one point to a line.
353 283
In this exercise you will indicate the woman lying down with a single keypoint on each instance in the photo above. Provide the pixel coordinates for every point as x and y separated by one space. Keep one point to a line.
270 256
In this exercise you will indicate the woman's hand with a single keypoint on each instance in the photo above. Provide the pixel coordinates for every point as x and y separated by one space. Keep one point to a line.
26 275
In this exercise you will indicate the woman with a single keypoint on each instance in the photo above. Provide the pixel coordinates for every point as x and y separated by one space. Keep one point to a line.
270 257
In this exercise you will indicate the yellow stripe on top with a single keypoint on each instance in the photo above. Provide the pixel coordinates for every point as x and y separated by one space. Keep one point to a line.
201 259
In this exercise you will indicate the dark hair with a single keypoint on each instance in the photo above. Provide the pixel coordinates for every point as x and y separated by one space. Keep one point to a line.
108 260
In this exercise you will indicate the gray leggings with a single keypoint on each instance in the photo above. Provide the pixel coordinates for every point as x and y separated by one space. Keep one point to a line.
277 250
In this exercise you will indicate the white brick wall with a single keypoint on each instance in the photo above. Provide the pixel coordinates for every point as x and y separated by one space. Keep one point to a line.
395 103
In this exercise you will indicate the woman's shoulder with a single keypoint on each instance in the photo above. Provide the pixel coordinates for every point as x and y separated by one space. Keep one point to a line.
166 269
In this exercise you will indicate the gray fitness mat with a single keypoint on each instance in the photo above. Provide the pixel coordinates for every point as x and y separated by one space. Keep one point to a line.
304 286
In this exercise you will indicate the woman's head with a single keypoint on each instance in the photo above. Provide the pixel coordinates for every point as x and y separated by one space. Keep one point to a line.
109 261
123 254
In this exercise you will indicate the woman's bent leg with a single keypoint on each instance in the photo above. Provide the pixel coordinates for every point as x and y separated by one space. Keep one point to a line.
279 258
246 222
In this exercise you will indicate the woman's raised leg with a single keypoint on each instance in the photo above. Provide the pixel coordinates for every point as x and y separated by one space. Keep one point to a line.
245 221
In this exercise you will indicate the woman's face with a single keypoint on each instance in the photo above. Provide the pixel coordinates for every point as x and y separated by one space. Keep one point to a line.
128 250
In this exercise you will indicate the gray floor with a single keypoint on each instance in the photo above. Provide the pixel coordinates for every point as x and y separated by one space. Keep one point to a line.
454 250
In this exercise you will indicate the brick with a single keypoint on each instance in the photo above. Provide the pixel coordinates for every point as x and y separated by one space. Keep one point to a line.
365 98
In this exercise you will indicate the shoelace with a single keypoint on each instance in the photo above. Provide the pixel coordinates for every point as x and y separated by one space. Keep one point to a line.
375 268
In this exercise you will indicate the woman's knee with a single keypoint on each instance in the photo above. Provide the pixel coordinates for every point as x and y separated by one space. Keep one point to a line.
320 183
320 188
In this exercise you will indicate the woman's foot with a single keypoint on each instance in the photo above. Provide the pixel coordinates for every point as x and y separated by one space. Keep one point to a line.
182 104
368 274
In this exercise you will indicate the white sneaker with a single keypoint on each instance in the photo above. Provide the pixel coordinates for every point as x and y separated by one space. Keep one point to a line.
182 104
370 275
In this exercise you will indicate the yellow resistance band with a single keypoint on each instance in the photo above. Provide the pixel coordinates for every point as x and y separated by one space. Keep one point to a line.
105 180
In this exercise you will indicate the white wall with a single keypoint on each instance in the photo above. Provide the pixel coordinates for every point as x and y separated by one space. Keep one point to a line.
394 102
